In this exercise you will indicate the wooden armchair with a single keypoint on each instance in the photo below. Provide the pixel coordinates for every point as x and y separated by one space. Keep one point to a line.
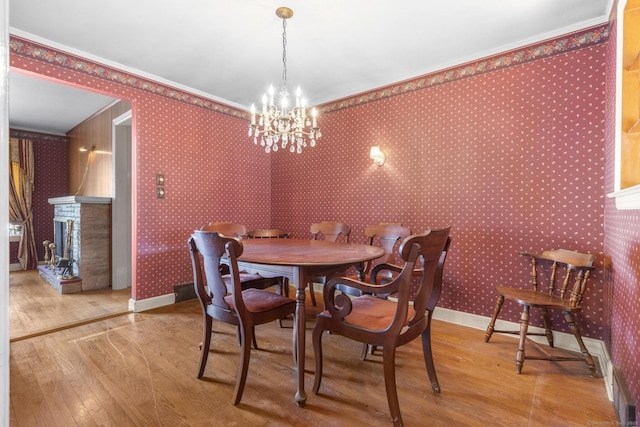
387 236
241 307
567 265
331 231
382 322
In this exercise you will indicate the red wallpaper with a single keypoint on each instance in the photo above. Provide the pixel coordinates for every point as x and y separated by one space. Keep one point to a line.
50 164
512 160
209 175
622 245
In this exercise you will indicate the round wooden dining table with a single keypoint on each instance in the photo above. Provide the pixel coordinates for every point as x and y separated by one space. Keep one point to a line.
299 261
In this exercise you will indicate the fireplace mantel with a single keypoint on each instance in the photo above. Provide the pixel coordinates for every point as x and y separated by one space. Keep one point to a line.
79 199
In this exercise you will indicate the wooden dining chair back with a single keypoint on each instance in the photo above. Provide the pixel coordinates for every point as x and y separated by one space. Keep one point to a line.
387 236
331 231
229 229
244 308
248 280
267 233
558 282
380 321
273 233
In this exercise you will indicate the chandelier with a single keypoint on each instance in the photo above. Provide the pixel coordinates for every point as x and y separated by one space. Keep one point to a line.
286 124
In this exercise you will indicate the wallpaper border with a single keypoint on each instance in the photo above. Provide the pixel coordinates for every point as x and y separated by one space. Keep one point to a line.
38 136
559 45
39 52
563 44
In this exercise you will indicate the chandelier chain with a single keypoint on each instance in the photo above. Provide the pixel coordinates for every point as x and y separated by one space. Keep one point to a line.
284 55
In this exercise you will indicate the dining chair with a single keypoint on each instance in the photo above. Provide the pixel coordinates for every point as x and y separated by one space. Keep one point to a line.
434 297
244 308
387 236
546 295
273 233
333 232
380 321
248 280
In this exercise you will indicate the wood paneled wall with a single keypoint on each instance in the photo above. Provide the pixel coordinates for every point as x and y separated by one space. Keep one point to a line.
90 172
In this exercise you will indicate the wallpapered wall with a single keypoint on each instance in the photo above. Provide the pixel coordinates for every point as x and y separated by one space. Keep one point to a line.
622 244
209 175
512 160
50 180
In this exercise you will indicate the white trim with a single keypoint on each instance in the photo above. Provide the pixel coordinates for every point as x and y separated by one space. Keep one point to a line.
151 303
560 339
629 198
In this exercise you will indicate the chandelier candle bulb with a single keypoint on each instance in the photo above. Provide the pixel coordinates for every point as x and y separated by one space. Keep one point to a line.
253 114
314 114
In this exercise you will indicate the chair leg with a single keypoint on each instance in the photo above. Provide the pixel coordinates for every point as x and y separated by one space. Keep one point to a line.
569 318
245 354
547 326
428 358
318 330
205 344
312 294
389 364
524 325
492 323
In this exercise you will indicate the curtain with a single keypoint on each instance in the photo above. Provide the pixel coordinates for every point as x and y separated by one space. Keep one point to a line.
20 191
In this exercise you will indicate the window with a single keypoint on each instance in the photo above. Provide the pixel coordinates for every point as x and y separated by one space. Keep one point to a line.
15 232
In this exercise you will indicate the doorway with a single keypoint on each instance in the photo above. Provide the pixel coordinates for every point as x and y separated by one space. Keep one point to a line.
121 242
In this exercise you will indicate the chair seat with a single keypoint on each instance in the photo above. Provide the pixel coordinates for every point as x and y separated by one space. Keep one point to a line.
256 281
535 298
371 312
258 301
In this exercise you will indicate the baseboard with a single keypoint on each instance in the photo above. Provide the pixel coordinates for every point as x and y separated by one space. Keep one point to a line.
15 267
151 303
560 339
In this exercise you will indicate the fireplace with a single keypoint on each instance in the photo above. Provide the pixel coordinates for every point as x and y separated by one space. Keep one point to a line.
64 243
82 238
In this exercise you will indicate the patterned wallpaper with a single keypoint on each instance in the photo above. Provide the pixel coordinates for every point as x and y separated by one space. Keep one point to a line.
50 164
512 160
622 245
209 176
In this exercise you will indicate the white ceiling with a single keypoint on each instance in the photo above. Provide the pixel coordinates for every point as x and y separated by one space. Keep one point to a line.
232 50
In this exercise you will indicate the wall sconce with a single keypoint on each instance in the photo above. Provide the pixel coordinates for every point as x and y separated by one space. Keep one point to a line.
377 155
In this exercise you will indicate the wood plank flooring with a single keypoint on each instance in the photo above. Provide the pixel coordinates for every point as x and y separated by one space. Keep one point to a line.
139 370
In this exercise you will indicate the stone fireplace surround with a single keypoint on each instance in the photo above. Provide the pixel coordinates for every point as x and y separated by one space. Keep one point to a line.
91 243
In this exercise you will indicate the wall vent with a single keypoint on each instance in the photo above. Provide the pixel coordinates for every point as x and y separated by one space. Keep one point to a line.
184 292
622 400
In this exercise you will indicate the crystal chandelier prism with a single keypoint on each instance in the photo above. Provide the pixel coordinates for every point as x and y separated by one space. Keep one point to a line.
287 125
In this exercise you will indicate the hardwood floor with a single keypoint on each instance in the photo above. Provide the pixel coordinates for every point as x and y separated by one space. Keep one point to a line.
36 307
139 370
